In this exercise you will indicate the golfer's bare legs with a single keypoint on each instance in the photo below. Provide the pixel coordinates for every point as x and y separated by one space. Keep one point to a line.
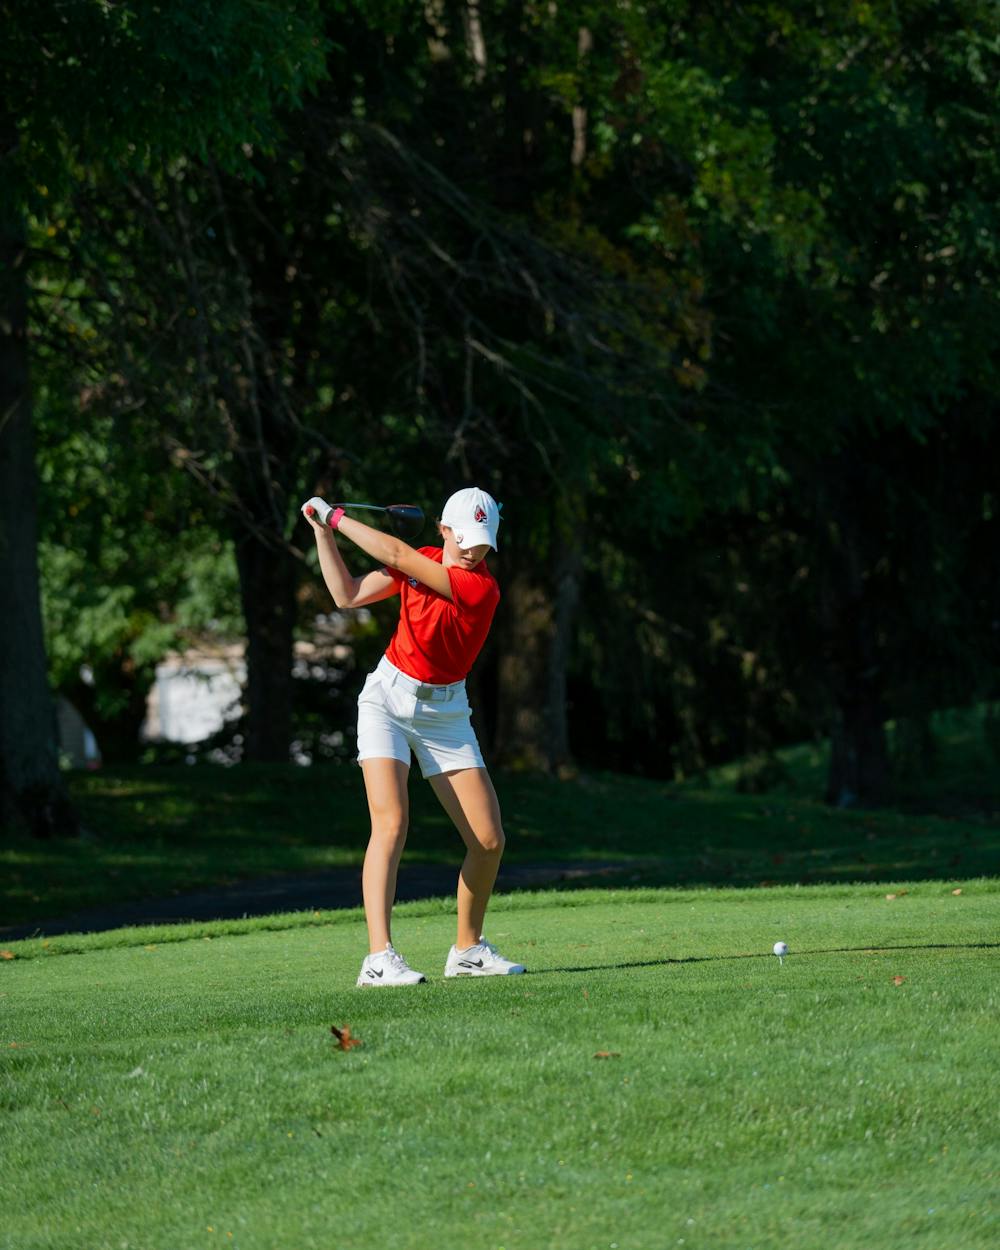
470 800
389 805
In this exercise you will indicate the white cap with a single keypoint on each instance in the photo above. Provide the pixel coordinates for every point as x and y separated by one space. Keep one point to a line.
473 517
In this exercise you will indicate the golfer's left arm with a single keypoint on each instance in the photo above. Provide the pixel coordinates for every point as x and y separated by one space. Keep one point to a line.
395 554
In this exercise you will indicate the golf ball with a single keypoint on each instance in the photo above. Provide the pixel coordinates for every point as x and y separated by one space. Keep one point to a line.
781 948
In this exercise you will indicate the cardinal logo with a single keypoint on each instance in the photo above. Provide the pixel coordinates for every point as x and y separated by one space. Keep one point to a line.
480 515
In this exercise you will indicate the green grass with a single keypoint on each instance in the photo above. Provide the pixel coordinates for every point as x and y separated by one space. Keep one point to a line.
157 831
175 1089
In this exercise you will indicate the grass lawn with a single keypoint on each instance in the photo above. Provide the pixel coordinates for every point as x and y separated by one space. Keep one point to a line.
179 1088
157 831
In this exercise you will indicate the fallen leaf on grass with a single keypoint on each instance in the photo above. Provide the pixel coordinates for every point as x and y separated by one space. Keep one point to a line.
607 1054
899 895
956 891
898 980
343 1036
7 955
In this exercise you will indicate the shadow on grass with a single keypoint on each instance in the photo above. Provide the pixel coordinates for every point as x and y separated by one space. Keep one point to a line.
832 950
255 839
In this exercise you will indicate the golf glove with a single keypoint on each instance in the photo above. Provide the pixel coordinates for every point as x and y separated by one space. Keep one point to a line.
322 509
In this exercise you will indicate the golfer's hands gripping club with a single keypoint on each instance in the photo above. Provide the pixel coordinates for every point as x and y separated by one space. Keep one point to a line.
322 516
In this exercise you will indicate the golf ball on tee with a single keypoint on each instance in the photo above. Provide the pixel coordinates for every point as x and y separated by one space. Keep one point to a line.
781 948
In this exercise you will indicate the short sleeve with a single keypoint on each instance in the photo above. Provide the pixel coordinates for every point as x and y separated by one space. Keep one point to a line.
398 577
471 591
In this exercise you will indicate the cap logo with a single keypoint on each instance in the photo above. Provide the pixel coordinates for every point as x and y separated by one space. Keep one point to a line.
480 515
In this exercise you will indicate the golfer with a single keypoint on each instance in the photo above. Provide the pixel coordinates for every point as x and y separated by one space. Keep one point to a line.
416 700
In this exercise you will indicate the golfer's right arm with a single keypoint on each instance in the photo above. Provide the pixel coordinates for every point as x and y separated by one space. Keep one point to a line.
348 591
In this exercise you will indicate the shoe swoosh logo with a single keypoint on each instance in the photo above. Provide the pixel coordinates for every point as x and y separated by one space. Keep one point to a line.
472 963
373 973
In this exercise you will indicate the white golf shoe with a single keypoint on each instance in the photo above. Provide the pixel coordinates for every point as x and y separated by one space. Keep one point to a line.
482 960
388 967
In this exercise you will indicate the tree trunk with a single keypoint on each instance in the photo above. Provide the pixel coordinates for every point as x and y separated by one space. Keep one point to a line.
267 588
859 766
32 794
569 570
511 164
535 643
859 756
526 635
914 751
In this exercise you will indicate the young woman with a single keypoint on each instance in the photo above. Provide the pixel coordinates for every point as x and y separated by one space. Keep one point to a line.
416 700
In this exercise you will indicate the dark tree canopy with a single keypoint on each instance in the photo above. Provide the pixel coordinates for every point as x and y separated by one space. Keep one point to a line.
707 294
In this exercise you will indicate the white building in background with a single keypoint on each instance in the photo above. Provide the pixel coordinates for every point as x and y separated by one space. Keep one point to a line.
196 692
194 695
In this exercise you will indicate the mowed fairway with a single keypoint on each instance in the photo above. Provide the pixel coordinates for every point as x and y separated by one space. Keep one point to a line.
188 1093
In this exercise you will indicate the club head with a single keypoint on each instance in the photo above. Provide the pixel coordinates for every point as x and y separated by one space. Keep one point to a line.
406 519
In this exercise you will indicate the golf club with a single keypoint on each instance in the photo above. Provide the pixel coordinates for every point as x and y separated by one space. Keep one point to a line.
406 519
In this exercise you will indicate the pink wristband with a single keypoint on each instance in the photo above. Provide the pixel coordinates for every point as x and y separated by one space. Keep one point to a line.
335 517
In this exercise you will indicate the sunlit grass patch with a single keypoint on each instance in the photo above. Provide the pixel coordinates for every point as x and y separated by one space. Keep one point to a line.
657 1076
154 832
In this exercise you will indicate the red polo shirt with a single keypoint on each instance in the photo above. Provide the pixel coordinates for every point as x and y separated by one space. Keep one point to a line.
437 639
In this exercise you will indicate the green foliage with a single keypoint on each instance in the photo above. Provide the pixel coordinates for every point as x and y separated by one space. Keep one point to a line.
710 291
130 569
117 86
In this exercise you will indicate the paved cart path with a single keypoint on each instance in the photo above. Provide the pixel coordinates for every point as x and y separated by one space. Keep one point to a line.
335 888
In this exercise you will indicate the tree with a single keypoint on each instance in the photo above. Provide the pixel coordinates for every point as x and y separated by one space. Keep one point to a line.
686 284
106 87
883 332
345 309
130 565
829 177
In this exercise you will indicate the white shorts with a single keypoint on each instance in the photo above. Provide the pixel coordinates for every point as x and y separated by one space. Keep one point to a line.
397 713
